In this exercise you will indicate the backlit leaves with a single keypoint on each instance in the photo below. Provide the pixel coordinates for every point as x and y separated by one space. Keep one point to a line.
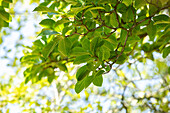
96 35
64 46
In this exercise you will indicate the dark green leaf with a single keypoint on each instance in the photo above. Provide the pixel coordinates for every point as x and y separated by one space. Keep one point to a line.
121 7
5 16
82 72
166 52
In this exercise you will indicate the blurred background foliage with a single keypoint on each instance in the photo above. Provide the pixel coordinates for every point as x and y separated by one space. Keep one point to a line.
136 86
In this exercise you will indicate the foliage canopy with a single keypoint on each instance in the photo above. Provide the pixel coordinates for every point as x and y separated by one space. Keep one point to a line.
96 35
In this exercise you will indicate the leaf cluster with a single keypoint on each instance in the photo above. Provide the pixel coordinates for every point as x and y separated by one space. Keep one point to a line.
96 35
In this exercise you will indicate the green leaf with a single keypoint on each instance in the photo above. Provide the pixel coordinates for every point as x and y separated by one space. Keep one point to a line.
62 21
47 23
73 2
112 39
5 16
8 1
79 9
133 39
164 2
113 20
109 45
140 3
44 9
166 52
29 57
123 35
1 40
128 16
162 22
82 72
121 8
45 32
38 43
127 2
78 51
161 17
104 53
86 44
152 9
62 67
151 30
64 46
93 44
49 48
89 80
93 8
82 59
100 72
79 86
121 59
98 80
